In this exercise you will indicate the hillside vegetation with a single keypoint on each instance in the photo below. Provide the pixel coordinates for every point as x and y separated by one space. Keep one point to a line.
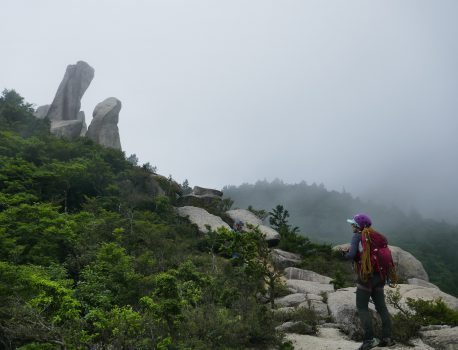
93 255
321 215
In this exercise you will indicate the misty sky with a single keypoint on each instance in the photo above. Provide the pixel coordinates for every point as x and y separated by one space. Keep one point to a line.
360 95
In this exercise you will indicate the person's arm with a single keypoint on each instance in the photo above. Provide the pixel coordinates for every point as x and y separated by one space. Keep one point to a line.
353 248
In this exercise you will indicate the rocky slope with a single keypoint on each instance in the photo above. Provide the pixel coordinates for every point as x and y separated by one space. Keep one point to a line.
340 326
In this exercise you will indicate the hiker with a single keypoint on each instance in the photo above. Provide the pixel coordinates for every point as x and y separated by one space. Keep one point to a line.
369 251
238 226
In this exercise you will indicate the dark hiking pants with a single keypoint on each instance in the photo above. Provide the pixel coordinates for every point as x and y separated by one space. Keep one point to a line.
373 288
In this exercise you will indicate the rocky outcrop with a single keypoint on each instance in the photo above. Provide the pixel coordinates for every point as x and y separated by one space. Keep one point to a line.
67 102
168 185
313 292
420 282
282 259
293 273
208 192
300 286
64 112
272 236
202 197
69 129
104 125
81 116
310 301
406 264
331 338
202 218
248 218
342 307
419 292
320 308
441 338
66 118
42 112
326 339
291 300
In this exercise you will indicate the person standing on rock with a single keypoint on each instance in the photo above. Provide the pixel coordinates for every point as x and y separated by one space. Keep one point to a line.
238 228
370 284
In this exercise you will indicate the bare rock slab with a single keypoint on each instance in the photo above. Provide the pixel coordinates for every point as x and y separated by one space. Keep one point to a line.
247 217
291 300
320 308
420 282
425 293
202 218
332 339
407 265
300 286
69 129
283 259
443 339
294 273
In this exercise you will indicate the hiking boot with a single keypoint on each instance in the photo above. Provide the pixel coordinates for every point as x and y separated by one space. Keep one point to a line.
387 342
369 344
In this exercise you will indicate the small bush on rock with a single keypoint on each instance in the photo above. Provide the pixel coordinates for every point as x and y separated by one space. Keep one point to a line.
418 313
308 319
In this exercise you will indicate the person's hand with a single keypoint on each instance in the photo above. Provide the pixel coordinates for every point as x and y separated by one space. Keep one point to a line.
344 250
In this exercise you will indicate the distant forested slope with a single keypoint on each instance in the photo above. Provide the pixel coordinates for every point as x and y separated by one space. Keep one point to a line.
321 215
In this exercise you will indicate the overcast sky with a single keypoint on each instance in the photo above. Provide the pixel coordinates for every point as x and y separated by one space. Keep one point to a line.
360 95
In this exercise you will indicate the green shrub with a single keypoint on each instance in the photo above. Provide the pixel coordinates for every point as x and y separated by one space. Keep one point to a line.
325 261
338 280
416 314
288 345
309 319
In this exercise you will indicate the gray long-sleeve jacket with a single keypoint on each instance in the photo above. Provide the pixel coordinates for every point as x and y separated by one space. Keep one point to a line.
355 246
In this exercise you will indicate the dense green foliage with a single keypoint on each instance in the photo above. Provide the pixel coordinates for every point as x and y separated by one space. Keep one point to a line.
92 256
414 314
321 215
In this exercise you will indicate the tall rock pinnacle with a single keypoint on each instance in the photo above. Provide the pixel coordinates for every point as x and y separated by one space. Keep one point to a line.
104 125
67 102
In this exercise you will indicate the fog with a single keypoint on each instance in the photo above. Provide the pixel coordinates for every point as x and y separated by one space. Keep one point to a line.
356 95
